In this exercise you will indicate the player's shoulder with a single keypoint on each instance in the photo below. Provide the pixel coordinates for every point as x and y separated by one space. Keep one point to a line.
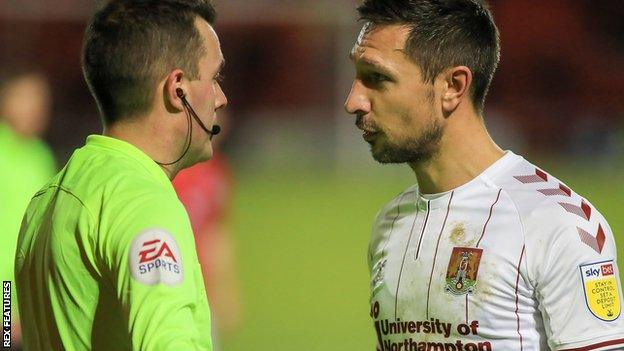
545 203
403 204
392 208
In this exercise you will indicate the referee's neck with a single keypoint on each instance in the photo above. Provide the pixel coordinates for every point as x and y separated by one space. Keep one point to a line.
150 141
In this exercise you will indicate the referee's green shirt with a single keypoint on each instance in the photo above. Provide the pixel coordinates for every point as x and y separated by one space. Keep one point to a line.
106 258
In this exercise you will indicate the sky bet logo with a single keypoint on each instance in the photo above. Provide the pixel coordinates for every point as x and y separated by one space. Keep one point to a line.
155 258
606 269
602 290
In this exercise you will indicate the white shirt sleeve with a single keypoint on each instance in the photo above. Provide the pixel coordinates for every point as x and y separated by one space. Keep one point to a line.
572 265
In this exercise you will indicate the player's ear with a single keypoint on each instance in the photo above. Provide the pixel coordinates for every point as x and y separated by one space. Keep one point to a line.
172 82
457 81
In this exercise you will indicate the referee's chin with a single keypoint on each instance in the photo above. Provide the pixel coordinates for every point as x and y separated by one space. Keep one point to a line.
206 153
196 156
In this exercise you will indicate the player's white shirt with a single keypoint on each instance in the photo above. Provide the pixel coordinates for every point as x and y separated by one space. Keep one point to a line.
544 258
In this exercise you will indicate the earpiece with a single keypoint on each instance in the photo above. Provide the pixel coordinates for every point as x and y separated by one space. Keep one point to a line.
215 128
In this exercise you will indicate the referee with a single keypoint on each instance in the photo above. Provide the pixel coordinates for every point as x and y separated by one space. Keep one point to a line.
106 257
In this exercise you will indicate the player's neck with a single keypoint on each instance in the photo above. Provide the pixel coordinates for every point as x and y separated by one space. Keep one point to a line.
466 150
152 142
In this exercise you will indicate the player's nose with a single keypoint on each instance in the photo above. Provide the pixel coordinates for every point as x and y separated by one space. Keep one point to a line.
357 102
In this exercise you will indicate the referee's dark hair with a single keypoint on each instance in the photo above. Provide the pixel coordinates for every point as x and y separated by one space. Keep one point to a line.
130 45
444 34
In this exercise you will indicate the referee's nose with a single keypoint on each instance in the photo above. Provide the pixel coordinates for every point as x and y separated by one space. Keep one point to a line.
357 102
221 100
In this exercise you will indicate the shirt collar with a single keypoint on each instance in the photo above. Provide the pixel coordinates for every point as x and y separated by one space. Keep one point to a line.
123 147
435 201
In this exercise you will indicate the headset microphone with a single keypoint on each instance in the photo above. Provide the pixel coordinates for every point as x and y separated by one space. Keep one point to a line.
215 128
190 112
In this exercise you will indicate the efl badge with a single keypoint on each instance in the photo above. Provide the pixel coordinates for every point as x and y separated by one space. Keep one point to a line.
461 274
601 289
155 258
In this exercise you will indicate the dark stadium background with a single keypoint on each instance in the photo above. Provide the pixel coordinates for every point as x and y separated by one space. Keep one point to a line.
307 189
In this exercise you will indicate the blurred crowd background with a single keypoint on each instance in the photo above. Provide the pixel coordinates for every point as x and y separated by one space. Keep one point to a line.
305 187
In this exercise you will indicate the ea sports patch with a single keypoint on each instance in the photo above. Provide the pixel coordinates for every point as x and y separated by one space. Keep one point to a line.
155 258
461 274
601 289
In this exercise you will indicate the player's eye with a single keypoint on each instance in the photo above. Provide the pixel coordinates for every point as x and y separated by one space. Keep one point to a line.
374 78
378 77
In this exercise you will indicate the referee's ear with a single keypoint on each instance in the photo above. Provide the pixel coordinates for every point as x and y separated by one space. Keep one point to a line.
457 81
173 103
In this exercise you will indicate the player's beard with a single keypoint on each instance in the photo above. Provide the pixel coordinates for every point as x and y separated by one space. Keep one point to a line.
414 149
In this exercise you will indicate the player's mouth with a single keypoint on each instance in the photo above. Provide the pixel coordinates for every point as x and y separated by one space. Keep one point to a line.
369 131
370 135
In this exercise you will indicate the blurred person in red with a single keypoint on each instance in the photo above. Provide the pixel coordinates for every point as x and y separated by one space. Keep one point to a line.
26 162
206 191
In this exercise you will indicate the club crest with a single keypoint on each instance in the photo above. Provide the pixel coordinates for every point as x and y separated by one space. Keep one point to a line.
461 274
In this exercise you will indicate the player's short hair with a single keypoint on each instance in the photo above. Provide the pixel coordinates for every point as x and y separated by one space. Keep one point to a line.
130 45
444 34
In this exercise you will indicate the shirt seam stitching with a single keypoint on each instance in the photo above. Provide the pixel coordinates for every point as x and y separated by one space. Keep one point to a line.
89 213
523 230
